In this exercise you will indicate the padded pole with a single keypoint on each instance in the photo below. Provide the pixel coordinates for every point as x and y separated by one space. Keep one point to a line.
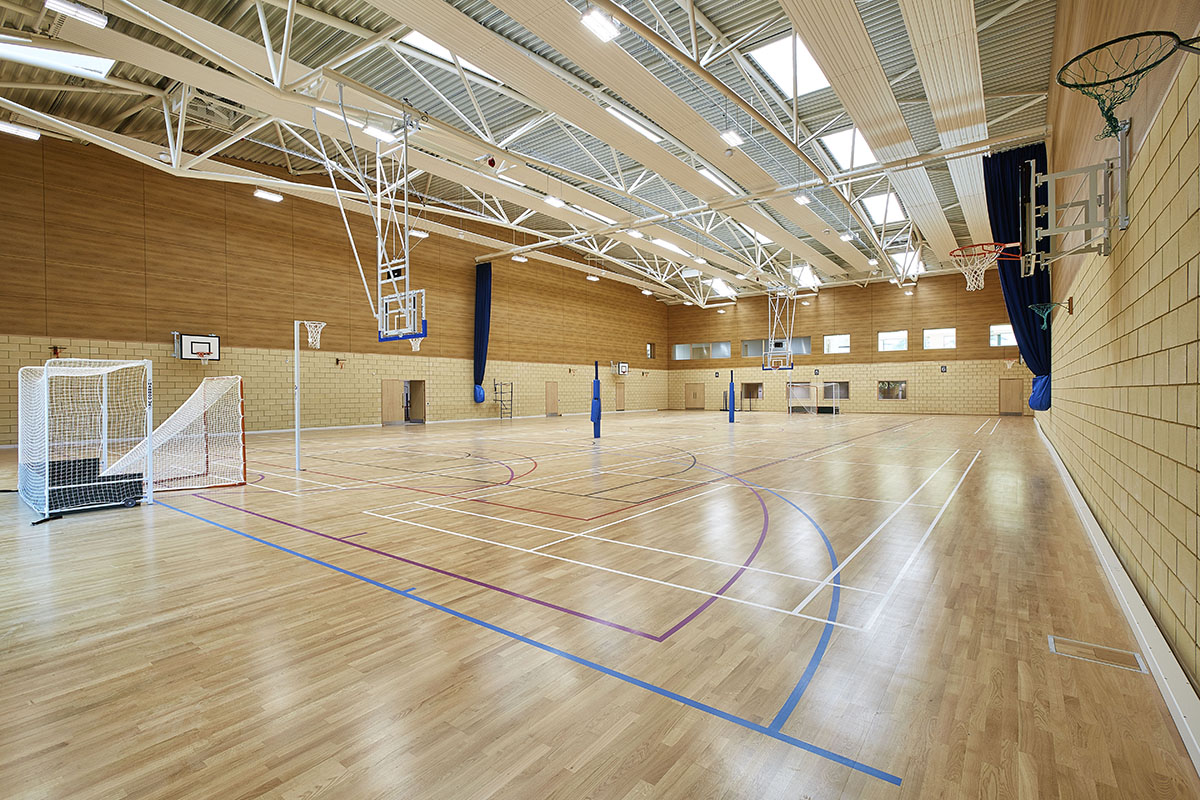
596 403
731 395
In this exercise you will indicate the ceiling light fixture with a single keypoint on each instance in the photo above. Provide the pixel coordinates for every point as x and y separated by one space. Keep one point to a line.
802 198
551 200
593 277
874 262
732 138
803 302
647 292
75 11
520 259
687 302
741 276
718 180
635 234
700 260
23 131
601 24
263 194
720 311
15 37
370 129
909 292
80 65
633 123
847 236
419 234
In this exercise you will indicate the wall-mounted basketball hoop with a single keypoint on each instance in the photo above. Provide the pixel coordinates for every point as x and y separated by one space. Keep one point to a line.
1043 310
973 260
1110 72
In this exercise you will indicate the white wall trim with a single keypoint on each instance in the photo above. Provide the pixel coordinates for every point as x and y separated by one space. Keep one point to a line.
1181 698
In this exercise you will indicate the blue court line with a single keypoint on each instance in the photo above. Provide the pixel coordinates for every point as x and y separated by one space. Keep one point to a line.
771 732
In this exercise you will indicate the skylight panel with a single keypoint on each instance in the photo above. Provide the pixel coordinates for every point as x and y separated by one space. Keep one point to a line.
718 180
760 238
674 248
843 144
423 42
909 262
884 208
633 123
775 59
78 64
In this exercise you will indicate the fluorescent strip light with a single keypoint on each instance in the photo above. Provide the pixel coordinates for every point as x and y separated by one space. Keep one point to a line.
718 180
633 123
720 311
647 292
594 215
520 259
674 248
75 11
874 262
593 277
24 132
15 37
507 179
700 260
687 302
732 138
379 133
635 234
803 302
847 236
419 234
551 200
338 116
601 24
908 292
263 194
802 198
690 273
741 276
78 64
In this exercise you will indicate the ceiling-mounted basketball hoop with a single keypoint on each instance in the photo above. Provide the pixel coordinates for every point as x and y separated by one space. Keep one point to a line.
1109 73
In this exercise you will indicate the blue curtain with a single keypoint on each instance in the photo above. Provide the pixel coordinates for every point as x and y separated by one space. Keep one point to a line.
483 324
1006 177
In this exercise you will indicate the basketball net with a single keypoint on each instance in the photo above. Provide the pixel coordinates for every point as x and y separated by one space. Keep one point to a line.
1009 362
314 334
204 357
973 261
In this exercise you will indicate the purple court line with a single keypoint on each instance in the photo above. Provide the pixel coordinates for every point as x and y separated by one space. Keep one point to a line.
762 536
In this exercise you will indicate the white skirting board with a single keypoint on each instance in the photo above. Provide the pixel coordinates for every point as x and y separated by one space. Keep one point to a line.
1181 699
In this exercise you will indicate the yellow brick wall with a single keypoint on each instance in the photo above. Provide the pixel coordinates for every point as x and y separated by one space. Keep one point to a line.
1124 413
332 394
966 387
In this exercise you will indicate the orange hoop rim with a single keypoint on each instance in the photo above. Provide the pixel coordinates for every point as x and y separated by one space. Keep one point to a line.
984 249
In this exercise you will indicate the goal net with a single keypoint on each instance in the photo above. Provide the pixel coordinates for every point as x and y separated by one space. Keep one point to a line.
202 444
76 417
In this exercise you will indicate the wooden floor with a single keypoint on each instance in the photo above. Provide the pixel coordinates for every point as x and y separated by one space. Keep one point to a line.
790 607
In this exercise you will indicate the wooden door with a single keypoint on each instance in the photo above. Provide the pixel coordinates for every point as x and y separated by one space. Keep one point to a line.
551 398
391 401
620 404
693 395
1012 396
416 401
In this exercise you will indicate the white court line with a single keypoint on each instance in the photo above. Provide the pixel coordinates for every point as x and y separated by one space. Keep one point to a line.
873 534
656 508
912 557
816 460
770 489
981 427
633 575
993 430
495 519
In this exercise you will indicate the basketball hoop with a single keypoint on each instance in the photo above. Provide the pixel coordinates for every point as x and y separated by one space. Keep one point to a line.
1109 73
973 260
1009 363
416 343
314 334
204 357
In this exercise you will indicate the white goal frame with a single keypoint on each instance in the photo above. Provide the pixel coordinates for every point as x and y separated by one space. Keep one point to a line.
88 427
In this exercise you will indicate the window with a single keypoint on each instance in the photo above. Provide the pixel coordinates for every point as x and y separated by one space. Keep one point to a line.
801 345
649 349
849 149
837 390
1002 336
682 352
702 350
752 348
893 340
837 343
893 390
939 338
775 59
720 350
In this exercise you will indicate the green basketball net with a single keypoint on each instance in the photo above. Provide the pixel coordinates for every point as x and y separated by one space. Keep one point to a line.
1109 73
1043 310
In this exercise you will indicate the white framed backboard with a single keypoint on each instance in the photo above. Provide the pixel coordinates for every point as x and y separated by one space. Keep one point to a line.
190 346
